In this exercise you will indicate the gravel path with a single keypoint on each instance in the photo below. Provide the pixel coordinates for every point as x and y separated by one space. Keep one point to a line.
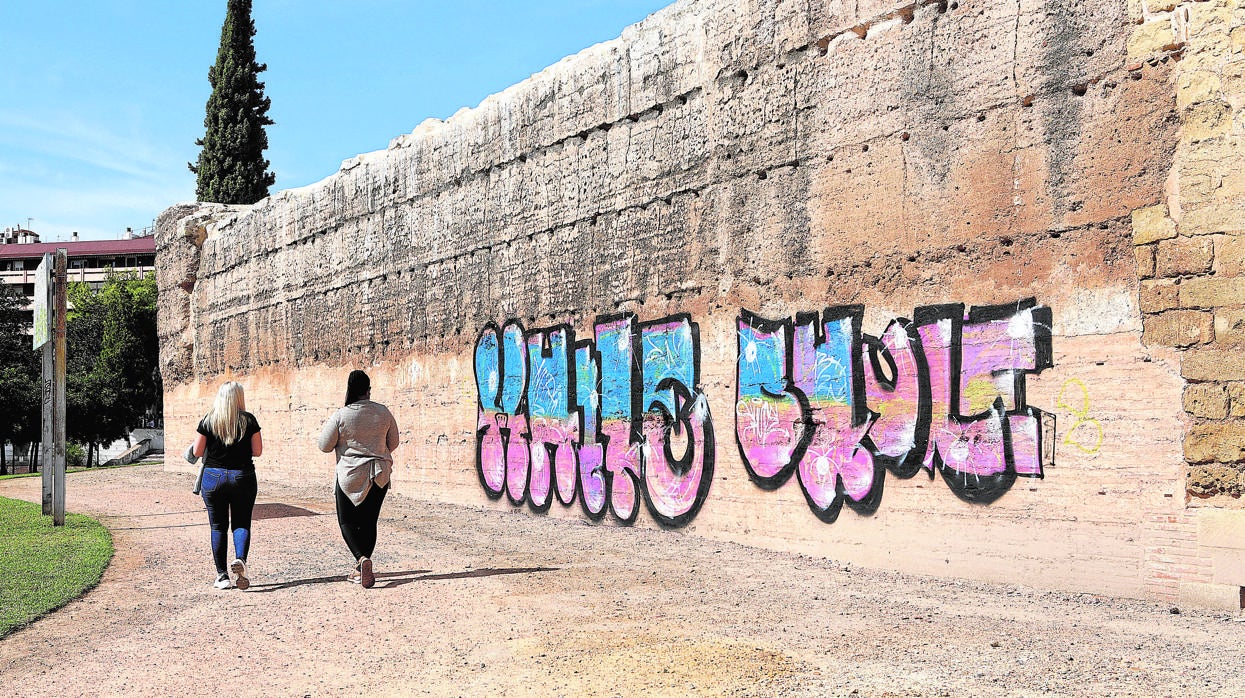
473 602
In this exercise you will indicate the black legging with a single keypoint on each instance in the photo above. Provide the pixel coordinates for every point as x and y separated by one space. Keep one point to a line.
358 523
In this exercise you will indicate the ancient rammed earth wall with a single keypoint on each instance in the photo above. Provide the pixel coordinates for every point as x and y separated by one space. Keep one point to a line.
950 288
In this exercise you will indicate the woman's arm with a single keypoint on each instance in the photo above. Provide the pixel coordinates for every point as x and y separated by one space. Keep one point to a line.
200 445
257 445
391 436
328 435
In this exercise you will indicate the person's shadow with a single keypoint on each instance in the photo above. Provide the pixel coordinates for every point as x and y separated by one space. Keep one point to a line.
389 580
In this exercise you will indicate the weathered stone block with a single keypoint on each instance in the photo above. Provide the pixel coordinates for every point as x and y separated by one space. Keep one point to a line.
1217 215
1151 225
1197 87
1225 597
1230 326
1208 400
1159 294
1212 292
1232 81
1153 37
1237 39
1213 364
1213 479
1210 18
1198 186
1145 260
1223 442
1236 399
1207 120
1179 328
1184 255
1230 255
1208 184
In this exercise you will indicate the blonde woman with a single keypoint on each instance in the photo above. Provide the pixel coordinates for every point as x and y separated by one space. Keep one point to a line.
228 442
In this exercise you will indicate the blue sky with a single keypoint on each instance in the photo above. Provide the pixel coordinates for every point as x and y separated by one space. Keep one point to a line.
101 102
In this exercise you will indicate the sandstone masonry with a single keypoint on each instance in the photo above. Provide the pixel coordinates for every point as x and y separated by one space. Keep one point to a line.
782 158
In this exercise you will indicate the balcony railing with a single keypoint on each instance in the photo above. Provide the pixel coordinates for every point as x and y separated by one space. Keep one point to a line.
27 276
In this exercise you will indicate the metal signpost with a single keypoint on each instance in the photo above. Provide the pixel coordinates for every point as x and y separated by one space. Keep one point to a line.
50 306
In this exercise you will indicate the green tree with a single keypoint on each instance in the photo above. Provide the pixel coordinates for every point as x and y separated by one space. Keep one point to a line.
89 393
113 378
19 375
231 167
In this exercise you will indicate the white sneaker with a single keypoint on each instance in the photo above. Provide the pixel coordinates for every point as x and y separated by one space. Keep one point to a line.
239 569
366 577
222 581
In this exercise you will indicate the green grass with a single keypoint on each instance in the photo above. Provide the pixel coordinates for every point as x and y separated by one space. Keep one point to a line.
43 567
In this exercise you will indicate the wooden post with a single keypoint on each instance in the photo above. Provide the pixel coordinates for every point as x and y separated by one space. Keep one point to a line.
58 414
42 337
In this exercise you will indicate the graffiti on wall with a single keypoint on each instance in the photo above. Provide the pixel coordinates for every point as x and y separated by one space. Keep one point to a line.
609 421
1085 433
943 392
620 418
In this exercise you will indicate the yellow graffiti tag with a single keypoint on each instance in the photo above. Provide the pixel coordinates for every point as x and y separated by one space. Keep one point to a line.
1081 430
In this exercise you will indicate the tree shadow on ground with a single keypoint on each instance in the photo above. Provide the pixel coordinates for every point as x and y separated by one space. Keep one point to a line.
204 524
263 511
277 510
154 513
389 580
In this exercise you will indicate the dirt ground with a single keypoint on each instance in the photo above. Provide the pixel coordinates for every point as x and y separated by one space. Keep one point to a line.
472 602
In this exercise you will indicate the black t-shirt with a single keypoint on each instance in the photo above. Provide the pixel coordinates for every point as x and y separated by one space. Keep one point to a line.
236 456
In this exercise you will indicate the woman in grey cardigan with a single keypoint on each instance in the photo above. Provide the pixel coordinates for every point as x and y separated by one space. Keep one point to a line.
364 434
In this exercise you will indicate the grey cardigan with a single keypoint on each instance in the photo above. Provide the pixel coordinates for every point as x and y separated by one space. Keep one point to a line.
364 435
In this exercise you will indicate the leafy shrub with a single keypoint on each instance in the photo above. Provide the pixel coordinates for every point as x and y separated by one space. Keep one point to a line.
75 455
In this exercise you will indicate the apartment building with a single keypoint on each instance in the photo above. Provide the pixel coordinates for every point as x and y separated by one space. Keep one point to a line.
89 261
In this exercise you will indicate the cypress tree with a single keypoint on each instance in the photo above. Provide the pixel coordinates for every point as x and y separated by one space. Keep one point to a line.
231 167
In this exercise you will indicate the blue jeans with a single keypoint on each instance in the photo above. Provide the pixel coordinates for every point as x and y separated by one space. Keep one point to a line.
229 494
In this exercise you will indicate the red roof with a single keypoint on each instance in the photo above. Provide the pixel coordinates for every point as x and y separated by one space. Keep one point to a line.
84 248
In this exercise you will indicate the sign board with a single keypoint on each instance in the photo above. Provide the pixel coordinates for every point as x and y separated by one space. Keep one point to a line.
43 318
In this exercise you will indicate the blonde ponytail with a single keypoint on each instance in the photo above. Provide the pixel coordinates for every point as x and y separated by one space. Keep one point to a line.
225 420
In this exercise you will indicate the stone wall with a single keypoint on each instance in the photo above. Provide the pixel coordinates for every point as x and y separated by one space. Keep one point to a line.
618 260
1189 255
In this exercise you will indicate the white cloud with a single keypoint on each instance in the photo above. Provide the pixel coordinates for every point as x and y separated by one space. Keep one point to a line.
70 138
71 174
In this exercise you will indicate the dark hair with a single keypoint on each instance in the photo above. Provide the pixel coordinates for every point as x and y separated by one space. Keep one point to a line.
357 385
